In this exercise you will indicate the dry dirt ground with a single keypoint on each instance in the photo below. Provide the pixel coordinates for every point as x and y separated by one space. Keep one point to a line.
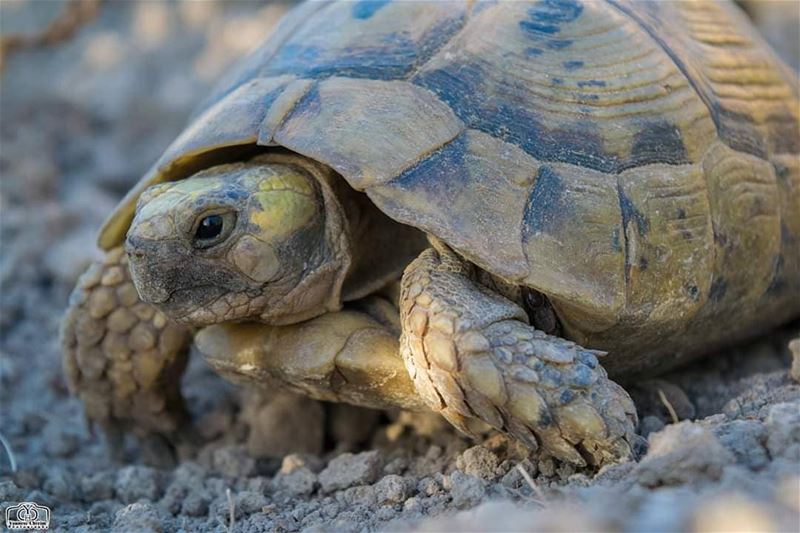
81 122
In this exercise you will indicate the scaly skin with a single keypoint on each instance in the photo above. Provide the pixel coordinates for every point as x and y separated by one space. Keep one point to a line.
472 354
122 357
346 356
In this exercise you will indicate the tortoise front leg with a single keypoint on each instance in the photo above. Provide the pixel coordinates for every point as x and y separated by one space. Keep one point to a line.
347 356
123 358
472 354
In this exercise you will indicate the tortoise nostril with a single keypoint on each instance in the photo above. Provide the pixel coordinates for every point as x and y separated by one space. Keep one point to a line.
134 248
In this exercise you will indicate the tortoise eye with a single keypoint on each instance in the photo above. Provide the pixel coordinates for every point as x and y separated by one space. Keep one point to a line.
213 229
209 228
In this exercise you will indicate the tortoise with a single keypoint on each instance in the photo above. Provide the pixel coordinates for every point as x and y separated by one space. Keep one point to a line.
461 207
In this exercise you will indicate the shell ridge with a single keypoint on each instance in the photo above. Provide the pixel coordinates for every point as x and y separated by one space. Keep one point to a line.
268 128
424 157
434 53
626 243
675 59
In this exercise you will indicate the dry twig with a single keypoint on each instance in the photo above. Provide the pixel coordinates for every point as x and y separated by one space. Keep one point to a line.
231 511
12 460
669 407
532 484
75 15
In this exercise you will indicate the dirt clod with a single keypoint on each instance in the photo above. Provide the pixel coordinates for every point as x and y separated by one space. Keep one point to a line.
478 461
466 490
391 489
682 453
348 470
142 517
234 462
136 483
794 348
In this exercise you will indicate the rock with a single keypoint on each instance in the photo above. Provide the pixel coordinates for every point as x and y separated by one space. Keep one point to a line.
59 483
233 461
745 439
682 453
479 462
385 513
248 502
350 520
363 495
189 473
467 491
140 517
546 466
136 483
391 489
294 461
187 486
512 479
794 349
26 478
97 486
9 491
412 505
347 470
196 503
783 428
103 512
300 481
428 486
41 498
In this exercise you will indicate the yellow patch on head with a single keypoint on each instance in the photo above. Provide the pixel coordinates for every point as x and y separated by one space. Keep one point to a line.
282 201
277 178
282 212
288 182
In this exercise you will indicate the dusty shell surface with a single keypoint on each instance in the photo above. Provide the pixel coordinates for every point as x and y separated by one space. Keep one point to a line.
81 122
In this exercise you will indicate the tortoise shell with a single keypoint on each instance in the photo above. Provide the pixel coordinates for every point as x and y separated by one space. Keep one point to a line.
637 162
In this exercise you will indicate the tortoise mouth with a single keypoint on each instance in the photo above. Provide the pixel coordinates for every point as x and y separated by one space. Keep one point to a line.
183 303
188 289
175 292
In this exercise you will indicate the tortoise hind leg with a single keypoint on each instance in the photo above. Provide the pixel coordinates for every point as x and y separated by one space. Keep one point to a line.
472 354
124 359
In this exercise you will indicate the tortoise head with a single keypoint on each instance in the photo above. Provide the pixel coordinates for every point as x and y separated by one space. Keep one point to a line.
255 240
